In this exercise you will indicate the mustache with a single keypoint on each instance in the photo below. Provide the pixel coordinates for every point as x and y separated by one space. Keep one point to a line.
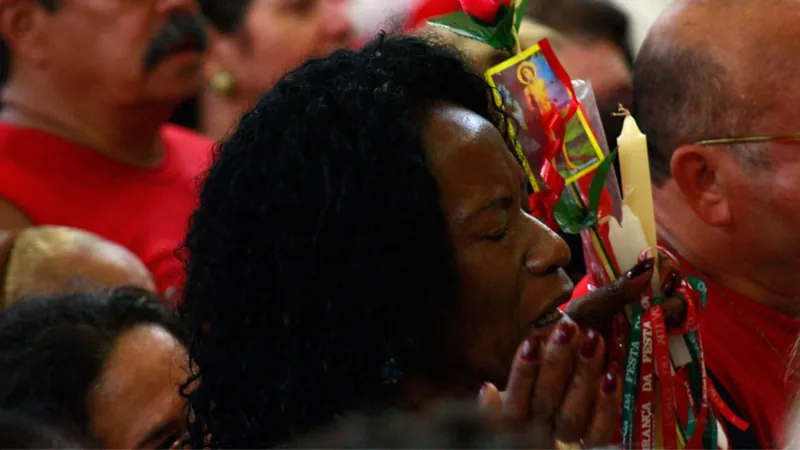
181 32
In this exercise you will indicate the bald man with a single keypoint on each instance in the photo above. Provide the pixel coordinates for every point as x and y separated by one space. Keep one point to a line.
50 259
730 209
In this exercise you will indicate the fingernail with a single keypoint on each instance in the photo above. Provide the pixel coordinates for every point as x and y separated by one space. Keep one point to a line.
530 349
673 279
590 344
564 333
609 384
484 389
640 269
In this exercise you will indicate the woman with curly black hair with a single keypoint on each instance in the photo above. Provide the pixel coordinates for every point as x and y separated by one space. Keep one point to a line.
362 241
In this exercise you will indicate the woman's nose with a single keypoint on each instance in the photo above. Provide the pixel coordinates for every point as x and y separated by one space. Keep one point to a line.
546 250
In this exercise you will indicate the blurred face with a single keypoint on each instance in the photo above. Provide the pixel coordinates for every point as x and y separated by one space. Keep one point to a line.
603 64
128 51
135 402
277 36
509 263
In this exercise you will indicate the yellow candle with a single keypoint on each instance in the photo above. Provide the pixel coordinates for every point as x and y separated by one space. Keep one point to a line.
637 190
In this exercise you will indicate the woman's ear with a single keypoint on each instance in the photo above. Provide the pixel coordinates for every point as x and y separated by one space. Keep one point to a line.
696 171
224 52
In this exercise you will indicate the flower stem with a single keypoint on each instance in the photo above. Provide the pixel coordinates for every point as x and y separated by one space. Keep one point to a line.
517 47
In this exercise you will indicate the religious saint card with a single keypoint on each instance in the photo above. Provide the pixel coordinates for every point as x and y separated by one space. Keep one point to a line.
549 122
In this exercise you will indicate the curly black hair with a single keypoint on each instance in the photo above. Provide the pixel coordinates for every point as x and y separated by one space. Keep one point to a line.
320 270
53 348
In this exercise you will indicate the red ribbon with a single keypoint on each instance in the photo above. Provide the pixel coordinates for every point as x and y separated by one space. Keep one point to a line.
555 127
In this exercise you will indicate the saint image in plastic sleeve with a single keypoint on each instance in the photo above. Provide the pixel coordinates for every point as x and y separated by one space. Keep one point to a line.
530 90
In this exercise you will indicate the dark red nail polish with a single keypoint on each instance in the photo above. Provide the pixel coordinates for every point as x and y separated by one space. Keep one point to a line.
484 388
609 384
640 269
531 348
564 333
673 279
590 344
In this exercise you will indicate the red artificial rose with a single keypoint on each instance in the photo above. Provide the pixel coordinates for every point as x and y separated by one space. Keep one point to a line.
486 11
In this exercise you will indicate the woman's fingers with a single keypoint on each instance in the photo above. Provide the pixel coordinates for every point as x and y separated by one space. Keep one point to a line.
576 410
555 370
606 412
524 370
490 401
597 307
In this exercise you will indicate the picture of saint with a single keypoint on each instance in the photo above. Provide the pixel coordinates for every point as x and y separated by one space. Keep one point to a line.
537 93
539 100
535 89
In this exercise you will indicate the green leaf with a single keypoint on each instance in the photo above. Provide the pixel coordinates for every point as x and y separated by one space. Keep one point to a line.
571 217
461 24
599 180
503 38
498 36
522 5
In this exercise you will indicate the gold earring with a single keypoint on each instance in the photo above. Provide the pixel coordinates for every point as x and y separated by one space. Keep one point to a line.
223 83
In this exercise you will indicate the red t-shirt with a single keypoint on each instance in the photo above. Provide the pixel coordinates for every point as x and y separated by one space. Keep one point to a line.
57 182
744 365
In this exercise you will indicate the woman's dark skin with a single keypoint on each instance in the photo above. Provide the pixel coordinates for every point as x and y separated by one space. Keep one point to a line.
510 270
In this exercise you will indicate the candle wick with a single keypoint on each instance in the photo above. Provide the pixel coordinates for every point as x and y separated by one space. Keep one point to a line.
621 112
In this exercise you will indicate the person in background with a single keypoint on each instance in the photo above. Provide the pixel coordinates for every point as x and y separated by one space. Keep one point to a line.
52 260
598 50
715 97
254 43
87 89
452 425
19 431
382 254
104 367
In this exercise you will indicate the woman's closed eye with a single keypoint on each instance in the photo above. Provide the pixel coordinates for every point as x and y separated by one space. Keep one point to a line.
497 235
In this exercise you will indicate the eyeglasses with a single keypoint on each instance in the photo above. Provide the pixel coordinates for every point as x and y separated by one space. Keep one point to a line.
793 137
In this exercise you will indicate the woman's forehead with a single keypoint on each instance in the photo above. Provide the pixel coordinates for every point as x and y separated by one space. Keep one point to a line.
451 129
468 154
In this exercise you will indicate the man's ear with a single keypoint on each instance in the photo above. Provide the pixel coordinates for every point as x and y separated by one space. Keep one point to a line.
7 239
695 170
21 23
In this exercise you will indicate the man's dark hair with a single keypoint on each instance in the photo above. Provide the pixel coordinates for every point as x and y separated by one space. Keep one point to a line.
53 348
320 268
5 52
680 96
20 431
588 19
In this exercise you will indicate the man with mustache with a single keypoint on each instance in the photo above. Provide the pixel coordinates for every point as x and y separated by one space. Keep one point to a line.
87 89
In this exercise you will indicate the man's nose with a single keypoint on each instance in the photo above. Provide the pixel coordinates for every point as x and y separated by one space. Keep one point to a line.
546 250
